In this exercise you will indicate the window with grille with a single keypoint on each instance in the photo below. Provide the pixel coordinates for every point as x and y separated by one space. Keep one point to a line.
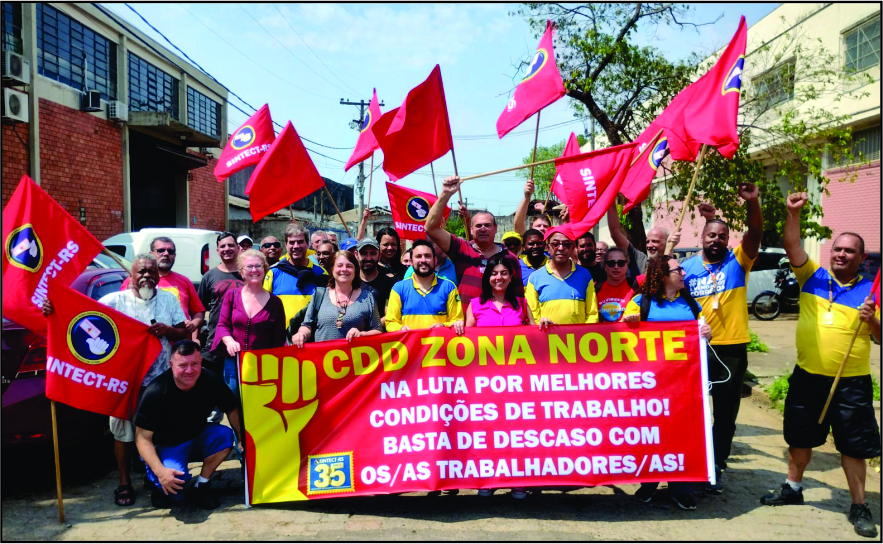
73 54
203 113
12 27
775 86
865 148
151 89
862 46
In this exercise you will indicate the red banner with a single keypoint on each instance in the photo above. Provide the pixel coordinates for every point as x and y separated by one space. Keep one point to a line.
42 244
247 145
96 356
579 405
409 210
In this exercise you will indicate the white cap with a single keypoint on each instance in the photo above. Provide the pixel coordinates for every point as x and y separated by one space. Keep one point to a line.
244 237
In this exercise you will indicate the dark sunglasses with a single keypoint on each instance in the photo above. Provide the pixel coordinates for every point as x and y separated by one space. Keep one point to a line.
679 270
169 250
558 243
268 245
613 264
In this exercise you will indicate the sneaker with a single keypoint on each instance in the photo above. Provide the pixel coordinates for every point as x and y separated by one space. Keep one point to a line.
203 497
645 494
785 495
436 493
718 487
860 517
684 502
518 493
485 492
159 499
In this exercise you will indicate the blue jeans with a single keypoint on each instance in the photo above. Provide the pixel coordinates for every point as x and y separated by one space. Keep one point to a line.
213 438
231 378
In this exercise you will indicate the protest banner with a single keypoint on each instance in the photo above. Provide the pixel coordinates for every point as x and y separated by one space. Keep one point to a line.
579 405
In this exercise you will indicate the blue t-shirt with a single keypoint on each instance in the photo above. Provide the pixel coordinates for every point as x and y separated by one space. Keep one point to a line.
667 310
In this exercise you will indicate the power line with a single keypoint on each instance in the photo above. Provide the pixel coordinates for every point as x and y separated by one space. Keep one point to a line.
311 49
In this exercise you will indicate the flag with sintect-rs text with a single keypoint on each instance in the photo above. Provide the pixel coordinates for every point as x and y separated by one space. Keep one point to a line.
247 145
409 210
96 356
42 244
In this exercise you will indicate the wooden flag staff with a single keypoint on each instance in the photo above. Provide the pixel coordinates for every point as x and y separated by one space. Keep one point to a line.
434 186
370 179
686 205
340 215
115 257
459 192
840 370
57 464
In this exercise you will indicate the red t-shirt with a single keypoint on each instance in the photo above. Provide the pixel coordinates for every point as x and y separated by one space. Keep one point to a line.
180 286
612 301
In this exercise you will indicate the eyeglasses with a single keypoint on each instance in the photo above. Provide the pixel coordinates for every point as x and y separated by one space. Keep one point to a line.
679 270
268 245
253 267
566 244
613 264
169 250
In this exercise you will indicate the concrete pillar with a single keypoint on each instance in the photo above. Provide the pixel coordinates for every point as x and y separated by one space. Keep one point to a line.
123 96
29 46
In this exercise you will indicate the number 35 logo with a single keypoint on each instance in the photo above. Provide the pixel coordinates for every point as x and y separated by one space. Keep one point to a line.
331 473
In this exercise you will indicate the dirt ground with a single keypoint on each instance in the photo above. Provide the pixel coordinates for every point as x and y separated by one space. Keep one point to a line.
757 464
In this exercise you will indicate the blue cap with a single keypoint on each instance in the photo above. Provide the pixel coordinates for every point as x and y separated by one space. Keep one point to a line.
348 244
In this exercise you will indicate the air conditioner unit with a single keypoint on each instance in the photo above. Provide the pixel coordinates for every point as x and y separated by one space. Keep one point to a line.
91 101
15 106
206 151
16 69
117 110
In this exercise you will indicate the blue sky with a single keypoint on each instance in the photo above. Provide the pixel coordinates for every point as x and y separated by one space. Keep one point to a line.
309 56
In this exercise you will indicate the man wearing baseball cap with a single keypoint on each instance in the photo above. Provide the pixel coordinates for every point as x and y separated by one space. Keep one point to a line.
513 241
368 253
245 242
348 244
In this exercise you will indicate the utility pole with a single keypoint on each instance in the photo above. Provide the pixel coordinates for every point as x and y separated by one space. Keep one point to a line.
358 124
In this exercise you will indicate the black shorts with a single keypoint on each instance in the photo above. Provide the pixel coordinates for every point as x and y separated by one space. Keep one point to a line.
850 417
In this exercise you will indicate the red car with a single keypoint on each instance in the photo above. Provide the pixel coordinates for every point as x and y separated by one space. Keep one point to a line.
27 417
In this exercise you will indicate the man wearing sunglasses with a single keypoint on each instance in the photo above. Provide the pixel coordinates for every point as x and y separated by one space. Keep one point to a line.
272 249
561 293
656 240
162 248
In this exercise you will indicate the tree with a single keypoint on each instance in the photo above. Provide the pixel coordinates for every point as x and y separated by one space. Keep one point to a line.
545 173
624 86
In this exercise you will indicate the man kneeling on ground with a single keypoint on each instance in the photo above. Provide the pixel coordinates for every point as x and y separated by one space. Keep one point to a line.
171 428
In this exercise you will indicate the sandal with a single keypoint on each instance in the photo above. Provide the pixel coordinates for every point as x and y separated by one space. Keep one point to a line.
124 495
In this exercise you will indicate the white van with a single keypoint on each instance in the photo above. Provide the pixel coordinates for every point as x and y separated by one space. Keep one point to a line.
196 249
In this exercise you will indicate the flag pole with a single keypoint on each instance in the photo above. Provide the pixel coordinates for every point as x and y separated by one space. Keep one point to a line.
340 215
536 138
459 191
840 371
649 146
670 245
291 212
115 257
434 186
57 464
370 180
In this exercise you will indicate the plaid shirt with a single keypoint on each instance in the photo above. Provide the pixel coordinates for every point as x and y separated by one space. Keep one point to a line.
470 263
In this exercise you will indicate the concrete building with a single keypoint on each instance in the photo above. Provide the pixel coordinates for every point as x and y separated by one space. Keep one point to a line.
141 152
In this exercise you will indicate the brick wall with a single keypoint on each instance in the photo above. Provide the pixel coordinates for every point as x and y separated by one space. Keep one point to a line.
15 158
691 231
81 164
207 198
853 206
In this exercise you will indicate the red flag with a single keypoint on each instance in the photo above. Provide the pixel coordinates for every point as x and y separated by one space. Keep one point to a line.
43 244
636 187
571 149
705 112
409 209
96 356
875 289
381 127
591 183
367 142
247 145
419 133
285 175
540 87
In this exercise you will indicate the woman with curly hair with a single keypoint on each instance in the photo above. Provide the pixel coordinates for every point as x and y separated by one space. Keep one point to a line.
663 297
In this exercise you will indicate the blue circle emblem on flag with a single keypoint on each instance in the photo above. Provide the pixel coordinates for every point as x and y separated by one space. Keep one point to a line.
367 122
418 208
93 337
243 138
733 81
540 58
23 248
660 150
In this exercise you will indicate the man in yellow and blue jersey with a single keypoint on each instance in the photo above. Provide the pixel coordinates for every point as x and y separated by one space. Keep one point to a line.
295 278
425 300
561 293
717 278
832 304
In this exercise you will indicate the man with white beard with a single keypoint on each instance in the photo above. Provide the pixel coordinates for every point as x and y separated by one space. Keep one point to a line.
160 309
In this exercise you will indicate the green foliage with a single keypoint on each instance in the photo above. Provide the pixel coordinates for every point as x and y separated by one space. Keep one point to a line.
455 226
755 345
778 390
545 173
876 387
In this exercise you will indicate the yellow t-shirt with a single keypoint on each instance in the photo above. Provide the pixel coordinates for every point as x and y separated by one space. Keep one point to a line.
822 339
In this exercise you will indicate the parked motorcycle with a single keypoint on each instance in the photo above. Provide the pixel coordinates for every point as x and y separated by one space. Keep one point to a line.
768 305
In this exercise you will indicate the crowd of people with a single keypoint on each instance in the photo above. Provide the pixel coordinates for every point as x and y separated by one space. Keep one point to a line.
315 290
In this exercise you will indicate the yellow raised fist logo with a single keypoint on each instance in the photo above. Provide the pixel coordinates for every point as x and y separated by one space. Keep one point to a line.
278 400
